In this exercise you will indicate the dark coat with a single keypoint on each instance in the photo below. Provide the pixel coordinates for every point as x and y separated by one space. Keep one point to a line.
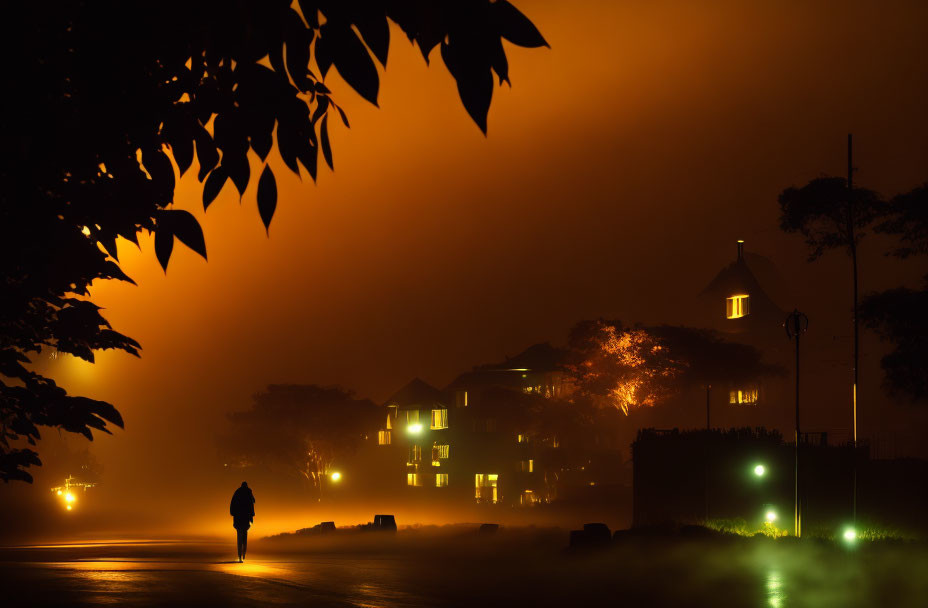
242 507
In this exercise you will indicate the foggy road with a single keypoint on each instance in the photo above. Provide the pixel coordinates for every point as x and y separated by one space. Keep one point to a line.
463 570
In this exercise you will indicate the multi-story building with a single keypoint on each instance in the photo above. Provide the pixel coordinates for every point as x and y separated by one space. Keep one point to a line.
473 440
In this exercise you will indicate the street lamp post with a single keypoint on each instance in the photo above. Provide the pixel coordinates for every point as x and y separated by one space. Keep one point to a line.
796 325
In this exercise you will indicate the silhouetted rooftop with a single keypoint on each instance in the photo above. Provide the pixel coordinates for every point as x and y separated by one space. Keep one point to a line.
417 392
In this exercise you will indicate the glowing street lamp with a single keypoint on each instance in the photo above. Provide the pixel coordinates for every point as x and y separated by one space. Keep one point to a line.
414 429
771 516
850 535
335 476
760 470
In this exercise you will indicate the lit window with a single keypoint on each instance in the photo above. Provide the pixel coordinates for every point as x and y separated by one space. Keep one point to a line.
383 437
528 466
415 453
486 487
412 416
440 419
460 399
440 451
738 306
412 479
441 480
523 438
742 396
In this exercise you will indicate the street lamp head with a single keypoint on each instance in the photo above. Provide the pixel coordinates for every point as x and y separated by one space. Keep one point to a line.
850 535
415 429
335 476
760 470
771 516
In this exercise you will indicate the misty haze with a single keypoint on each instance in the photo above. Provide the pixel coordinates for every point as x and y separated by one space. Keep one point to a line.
489 303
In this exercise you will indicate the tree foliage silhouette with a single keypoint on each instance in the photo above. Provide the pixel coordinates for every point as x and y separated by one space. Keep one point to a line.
898 315
110 98
301 429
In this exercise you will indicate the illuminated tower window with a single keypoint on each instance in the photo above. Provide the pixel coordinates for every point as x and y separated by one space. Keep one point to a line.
383 437
440 451
412 479
441 480
738 306
440 419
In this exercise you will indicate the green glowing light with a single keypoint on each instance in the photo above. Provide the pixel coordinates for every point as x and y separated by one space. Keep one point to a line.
771 516
760 470
850 535
415 429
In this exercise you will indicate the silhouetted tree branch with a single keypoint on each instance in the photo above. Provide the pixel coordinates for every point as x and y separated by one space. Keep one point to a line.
110 101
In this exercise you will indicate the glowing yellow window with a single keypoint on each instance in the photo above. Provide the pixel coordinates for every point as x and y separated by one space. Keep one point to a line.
440 419
742 396
486 486
440 451
738 306
415 453
441 480
528 466
412 416
412 479
383 437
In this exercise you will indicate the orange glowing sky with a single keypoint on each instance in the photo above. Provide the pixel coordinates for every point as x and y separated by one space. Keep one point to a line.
618 171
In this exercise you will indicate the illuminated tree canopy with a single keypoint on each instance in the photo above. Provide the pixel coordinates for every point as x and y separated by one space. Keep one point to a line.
632 367
112 100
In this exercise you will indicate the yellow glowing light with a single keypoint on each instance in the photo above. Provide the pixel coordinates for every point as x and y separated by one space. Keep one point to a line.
415 429
85 231
771 516
850 535
738 306
69 507
760 470
335 476
59 492
69 497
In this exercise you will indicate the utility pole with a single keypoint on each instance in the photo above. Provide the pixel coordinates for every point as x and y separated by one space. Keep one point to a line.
708 391
796 325
853 249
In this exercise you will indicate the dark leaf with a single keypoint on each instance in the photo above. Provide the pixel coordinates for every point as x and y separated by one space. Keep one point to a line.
323 56
267 197
324 140
164 244
185 227
158 165
514 26
236 166
309 159
474 80
207 155
353 62
297 50
376 33
343 115
213 185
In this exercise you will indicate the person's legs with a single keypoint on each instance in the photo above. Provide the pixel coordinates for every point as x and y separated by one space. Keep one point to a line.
241 544
244 545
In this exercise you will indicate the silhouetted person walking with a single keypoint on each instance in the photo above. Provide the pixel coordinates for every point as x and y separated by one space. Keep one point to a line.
242 510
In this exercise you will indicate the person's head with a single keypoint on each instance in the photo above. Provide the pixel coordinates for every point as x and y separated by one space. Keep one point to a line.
244 484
